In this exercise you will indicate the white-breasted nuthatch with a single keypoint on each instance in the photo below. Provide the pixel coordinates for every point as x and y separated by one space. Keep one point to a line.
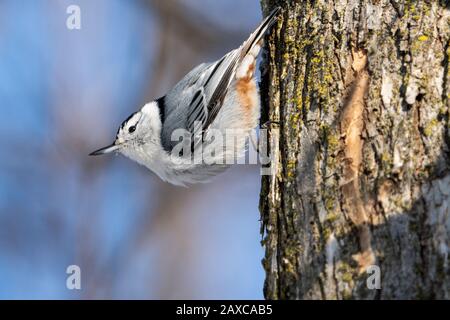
213 97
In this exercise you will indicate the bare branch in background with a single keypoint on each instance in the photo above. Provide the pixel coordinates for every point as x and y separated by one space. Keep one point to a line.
186 33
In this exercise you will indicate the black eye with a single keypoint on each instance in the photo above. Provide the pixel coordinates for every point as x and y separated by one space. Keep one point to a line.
132 129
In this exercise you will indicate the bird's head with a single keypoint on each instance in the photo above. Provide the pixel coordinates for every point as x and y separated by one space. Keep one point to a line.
138 129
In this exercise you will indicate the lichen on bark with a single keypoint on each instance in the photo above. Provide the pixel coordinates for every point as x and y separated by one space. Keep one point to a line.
360 92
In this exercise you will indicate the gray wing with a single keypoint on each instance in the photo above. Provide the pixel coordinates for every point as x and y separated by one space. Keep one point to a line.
195 101
177 103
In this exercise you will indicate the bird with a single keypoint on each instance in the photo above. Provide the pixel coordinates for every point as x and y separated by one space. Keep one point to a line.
208 103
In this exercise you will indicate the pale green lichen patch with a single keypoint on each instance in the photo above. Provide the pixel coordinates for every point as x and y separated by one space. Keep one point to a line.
430 127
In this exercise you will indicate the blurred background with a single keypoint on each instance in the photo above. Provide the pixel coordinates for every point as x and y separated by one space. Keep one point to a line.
63 94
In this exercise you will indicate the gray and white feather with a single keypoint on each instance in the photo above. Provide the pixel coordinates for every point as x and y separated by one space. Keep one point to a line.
213 97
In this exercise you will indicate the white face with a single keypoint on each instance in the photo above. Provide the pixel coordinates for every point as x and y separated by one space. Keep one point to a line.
130 130
139 135
140 129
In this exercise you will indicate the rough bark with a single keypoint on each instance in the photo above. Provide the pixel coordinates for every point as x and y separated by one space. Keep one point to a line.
360 91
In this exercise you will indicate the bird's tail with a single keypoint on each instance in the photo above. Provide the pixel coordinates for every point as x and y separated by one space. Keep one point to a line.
237 64
247 54
257 35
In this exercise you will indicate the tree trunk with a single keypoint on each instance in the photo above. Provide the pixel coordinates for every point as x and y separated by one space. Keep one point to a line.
358 94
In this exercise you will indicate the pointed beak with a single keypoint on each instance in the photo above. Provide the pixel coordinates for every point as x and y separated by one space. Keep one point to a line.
105 150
